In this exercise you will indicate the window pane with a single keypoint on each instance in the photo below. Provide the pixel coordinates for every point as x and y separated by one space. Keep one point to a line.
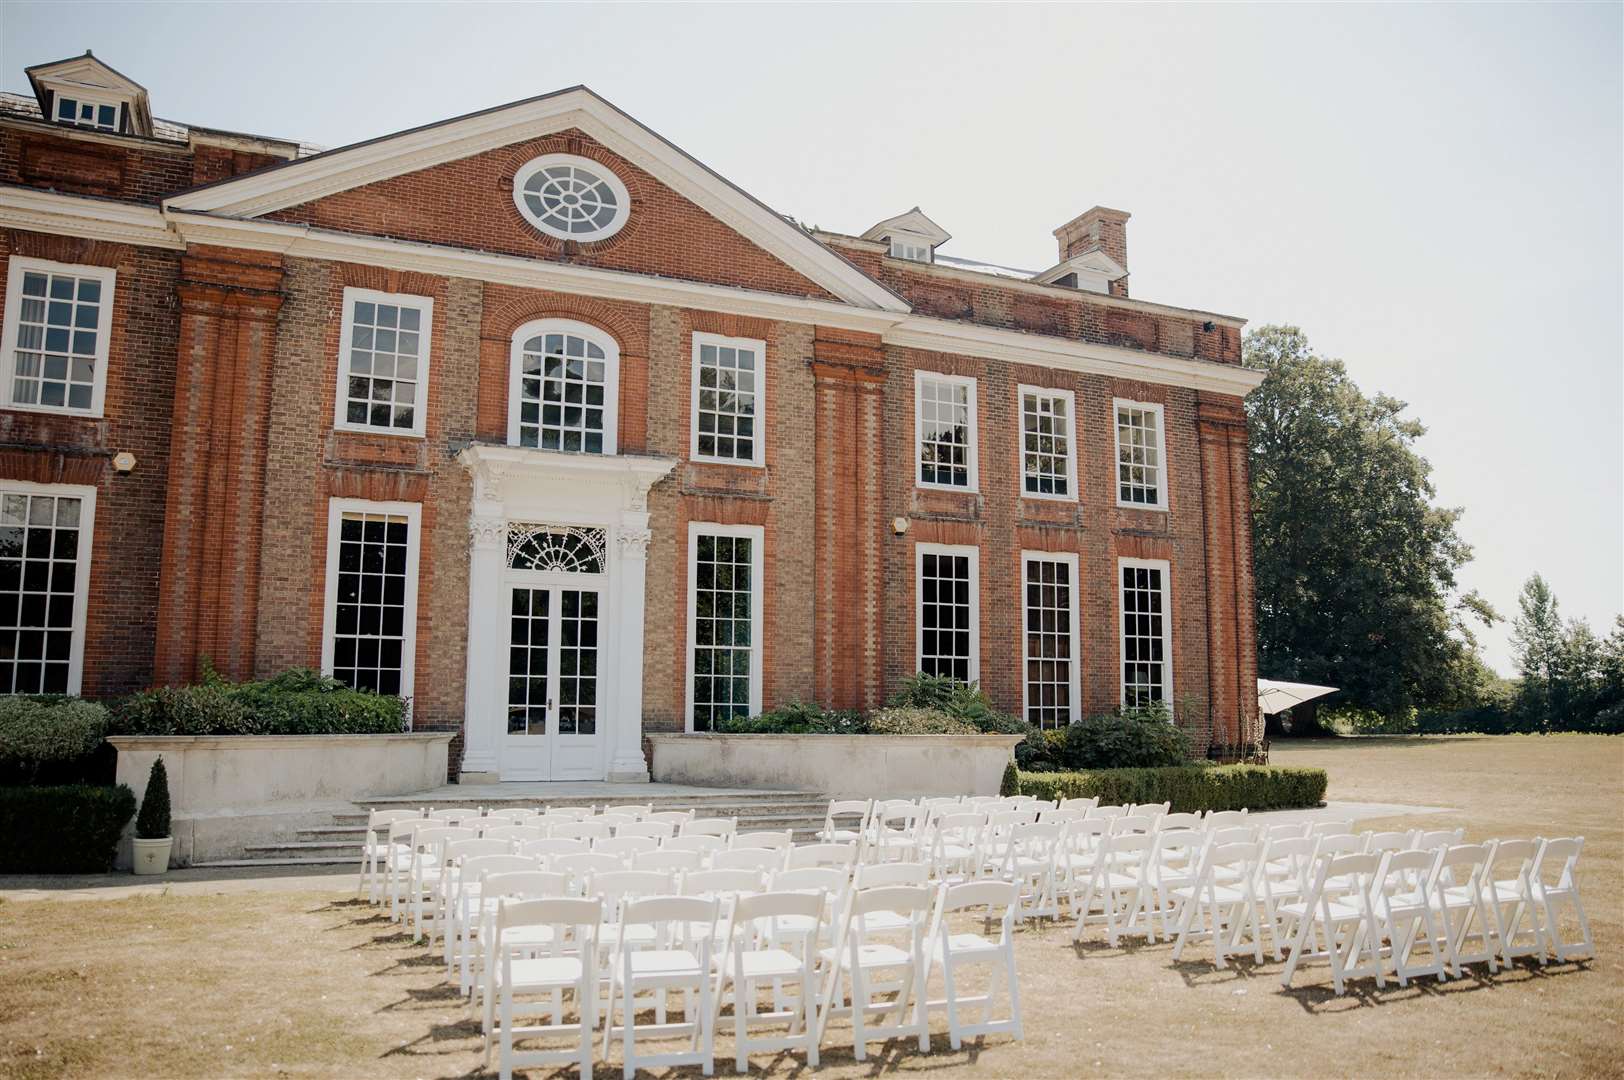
384 352
1139 441
552 369
1144 665
947 615
1049 660
39 553
730 412
369 623
944 434
724 644
68 328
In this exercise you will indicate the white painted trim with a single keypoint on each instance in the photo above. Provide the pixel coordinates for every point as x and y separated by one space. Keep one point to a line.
972 450
81 578
104 332
84 94
611 372
75 215
1167 628
1070 398
413 513
623 198
420 405
759 459
1069 558
757 535
435 144
974 553
1163 500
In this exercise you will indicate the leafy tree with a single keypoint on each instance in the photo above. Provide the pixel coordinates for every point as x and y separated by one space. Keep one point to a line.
1355 565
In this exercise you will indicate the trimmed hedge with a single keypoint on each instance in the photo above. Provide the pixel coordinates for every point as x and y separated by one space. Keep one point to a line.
1187 787
296 702
897 720
62 830
796 718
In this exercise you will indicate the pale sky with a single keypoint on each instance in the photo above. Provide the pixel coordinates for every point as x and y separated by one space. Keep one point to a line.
1432 192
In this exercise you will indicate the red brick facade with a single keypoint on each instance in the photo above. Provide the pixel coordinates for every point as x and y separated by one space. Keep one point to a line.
222 372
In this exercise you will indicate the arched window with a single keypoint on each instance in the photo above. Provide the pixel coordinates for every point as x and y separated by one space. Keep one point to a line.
563 388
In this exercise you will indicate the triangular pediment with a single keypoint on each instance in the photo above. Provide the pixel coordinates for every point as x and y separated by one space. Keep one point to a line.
90 74
912 223
279 188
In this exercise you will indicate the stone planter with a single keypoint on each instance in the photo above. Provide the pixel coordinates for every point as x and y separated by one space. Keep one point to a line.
151 856
230 791
844 766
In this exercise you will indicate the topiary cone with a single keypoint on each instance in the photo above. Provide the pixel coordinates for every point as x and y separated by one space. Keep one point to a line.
152 823
1011 783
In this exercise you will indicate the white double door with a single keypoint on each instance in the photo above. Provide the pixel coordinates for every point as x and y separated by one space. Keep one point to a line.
555 718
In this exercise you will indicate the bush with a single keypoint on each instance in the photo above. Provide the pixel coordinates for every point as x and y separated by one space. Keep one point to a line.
40 731
796 718
962 701
1187 787
1141 738
1011 782
909 721
152 823
1042 751
296 702
62 830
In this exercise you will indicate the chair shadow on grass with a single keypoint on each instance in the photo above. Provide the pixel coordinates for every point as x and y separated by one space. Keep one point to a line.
1320 998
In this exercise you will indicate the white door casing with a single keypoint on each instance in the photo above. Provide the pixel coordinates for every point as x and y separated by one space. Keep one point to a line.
514 485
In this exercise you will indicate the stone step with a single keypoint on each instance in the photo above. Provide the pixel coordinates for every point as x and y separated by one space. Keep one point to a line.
679 801
803 807
272 861
313 847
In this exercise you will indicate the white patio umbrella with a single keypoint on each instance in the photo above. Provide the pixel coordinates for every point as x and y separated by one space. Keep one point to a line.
1275 696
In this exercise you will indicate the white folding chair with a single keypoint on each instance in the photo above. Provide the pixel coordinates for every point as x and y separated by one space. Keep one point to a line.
1223 819
1331 828
456 816
514 815
1285 874
1561 858
954 953
583 866
636 811
626 846
771 839
479 924
1344 923
397 867
1223 896
674 957
1171 873
652 830
1098 811
374 849
1458 886
552 847
955 843
1117 884
1151 810
552 815
514 834
568 963
723 884
1407 915
1030 856
877 968
1181 820
896 833
725 827
1085 804
1508 894
428 849
619 888
592 829
670 861
675 818
765 860
1080 847
1440 838
459 888
703 846
1285 831
1382 842
842 856
837 826
754 954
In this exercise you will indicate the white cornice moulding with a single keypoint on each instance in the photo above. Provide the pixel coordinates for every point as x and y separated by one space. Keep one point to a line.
395 155
94 219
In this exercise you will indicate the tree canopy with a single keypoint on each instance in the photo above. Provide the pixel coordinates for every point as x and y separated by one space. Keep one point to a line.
1355 565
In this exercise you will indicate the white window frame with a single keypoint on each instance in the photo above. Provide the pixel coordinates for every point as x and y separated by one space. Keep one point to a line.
623 199
1070 398
757 535
13 319
1069 558
974 553
972 453
346 336
87 538
611 377
759 450
413 513
88 96
902 243
1162 474
1167 628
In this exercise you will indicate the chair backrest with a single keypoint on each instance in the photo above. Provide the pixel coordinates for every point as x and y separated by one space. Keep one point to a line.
762 859
583 916
523 884
566 813
1344 844
584 865
1084 803
1098 811
1001 821
900 817
477 867
1287 855
1286 830
454 815
1405 870
705 845
634 810
722 882
654 830
675 818
1223 819
882 805
961 827
940 802
1082 836
1151 810
840 809
1057 815
840 855
1557 861
1330 828
772 839
775 905
1235 834
1359 867
716 826
879 875
1132 823
457 851
591 829
1240 860
1440 838
553 846
1461 865
827 879
913 900
1179 846
518 815
615 821
677 920
1182 820
1389 841
618 887
1037 840
380 820
1510 859
626 845
435 840
669 861
513 833
969 895
1118 844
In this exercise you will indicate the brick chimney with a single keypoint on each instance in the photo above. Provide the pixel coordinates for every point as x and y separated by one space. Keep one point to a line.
1100 229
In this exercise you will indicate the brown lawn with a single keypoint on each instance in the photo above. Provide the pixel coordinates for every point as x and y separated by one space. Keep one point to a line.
257 983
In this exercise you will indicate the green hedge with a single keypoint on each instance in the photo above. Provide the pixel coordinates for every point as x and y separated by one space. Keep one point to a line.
1187 787
42 736
296 702
62 830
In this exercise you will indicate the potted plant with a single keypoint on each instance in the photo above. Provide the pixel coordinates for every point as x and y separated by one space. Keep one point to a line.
152 840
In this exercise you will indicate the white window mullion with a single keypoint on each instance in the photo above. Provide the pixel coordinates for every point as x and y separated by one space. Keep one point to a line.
369 629
724 623
947 610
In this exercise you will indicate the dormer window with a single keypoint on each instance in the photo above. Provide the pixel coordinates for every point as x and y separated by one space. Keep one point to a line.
85 113
913 248
911 236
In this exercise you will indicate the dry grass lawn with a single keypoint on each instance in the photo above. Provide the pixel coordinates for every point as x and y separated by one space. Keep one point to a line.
310 984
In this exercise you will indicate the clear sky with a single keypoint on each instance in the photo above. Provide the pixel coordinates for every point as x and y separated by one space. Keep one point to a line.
1434 193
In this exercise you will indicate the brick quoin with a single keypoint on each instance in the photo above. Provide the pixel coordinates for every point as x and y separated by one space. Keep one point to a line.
224 365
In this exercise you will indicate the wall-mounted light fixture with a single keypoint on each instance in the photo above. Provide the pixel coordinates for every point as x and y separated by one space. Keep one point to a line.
123 462
899 525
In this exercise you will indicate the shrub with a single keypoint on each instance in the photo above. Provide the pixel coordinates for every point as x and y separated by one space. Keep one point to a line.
1140 738
910 721
296 702
39 731
152 823
1011 783
1042 751
960 700
1187 787
71 829
796 718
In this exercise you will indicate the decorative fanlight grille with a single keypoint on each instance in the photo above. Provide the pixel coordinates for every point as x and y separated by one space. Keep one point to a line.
565 548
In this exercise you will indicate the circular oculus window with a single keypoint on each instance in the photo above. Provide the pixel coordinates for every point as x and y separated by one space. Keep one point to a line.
571 198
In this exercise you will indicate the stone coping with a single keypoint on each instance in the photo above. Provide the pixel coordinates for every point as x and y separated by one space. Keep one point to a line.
249 742
978 739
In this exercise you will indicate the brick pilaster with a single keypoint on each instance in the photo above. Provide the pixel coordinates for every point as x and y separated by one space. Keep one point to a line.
1227 548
